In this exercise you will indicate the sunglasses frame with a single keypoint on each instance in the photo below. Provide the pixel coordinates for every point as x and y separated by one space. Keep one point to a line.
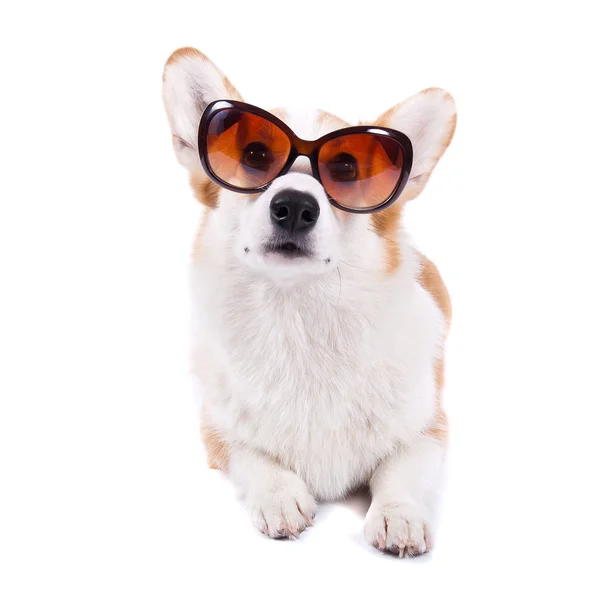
300 147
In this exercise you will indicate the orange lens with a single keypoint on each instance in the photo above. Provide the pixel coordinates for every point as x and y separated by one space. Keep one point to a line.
245 150
361 170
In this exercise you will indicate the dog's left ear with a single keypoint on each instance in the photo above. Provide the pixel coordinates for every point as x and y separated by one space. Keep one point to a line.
191 82
429 120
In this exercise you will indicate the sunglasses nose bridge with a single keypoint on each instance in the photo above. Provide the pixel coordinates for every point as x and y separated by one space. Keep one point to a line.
308 150
304 147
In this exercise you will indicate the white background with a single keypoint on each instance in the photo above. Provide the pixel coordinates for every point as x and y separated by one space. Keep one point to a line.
104 492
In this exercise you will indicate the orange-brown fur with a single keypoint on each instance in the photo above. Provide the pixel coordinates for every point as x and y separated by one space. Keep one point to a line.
432 281
387 222
205 190
439 426
184 52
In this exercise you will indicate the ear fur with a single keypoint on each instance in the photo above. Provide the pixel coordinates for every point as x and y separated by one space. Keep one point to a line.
191 82
429 120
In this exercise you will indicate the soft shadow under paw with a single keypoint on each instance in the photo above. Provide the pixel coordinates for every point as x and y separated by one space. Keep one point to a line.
359 501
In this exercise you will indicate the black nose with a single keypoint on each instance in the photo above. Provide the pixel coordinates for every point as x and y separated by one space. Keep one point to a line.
294 211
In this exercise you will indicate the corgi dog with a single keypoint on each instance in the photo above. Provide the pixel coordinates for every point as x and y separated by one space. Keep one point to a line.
318 329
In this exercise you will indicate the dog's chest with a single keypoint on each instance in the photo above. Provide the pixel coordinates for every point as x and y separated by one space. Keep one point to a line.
326 387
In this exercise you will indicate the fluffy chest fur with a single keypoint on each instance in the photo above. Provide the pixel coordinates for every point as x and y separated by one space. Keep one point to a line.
328 376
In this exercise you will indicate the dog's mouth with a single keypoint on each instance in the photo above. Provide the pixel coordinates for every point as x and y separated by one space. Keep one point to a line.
287 249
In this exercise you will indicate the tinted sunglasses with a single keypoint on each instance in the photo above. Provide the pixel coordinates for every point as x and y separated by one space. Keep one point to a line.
244 148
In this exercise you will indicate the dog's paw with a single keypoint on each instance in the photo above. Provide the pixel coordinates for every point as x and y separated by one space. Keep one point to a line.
399 529
283 510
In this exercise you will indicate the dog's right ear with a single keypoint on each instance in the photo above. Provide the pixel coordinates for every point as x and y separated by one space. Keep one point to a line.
191 82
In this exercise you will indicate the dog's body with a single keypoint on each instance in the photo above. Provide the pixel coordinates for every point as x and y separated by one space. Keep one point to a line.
320 377
327 378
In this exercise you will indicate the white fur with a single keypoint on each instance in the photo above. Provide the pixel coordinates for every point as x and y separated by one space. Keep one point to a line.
428 119
317 372
327 376
189 84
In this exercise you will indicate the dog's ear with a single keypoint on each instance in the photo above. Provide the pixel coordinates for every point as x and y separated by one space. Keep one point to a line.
429 120
191 82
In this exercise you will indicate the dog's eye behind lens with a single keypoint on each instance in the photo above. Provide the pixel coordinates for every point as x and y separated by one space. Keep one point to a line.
257 156
343 167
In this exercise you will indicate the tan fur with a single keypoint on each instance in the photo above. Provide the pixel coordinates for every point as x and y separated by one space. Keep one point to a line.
192 52
387 115
205 190
438 428
452 127
417 184
197 245
183 53
432 281
233 93
217 451
386 224
279 113
330 122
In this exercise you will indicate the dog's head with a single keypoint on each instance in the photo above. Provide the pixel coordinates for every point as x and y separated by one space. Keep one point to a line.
290 230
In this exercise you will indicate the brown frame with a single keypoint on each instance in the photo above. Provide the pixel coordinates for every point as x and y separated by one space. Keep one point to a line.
300 147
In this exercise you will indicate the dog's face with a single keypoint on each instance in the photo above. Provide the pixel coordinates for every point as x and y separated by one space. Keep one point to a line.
291 231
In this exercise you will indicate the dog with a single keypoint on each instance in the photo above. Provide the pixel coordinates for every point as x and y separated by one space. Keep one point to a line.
318 373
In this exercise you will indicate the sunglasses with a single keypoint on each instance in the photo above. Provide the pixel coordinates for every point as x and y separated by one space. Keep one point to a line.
244 148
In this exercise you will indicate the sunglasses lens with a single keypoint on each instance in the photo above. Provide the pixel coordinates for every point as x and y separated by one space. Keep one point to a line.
361 170
245 150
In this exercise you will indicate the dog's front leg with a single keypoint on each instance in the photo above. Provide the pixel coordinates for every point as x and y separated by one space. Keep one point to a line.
403 488
279 501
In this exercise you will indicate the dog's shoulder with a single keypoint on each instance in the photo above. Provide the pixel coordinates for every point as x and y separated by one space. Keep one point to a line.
430 279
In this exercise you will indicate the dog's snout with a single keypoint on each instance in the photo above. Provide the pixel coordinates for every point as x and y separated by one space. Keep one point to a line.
294 211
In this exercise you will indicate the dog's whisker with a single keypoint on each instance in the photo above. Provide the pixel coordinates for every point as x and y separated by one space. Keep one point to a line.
359 267
382 236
